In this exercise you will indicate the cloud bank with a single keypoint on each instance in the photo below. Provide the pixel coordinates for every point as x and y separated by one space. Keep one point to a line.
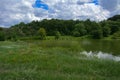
15 11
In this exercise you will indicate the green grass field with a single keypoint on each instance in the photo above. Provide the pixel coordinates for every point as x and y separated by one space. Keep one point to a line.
52 60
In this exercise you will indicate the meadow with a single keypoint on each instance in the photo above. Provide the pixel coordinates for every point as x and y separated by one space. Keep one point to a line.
52 60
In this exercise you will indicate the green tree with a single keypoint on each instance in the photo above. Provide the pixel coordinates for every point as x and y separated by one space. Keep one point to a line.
97 34
79 30
114 18
96 31
2 35
116 35
42 33
106 30
57 34
88 25
1 29
76 33
114 28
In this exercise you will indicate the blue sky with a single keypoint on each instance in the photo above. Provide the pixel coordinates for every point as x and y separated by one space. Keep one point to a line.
15 11
40 4
96 2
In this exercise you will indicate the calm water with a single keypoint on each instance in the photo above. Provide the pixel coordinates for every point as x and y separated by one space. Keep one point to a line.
107 46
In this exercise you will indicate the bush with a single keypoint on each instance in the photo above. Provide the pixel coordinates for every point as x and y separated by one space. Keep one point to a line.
76 34
42 33
57 35
116 35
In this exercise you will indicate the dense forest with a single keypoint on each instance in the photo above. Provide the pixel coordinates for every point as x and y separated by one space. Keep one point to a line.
76 28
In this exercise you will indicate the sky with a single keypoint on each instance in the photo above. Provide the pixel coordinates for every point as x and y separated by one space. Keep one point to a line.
15 11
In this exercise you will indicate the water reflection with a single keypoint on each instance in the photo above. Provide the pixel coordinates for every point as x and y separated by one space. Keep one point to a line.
107 46
101 55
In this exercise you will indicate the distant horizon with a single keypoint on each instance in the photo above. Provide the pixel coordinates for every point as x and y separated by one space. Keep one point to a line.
13 12
55 19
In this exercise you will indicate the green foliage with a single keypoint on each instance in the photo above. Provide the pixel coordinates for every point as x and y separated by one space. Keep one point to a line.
114 26
79 30
1 29
88 25
76 33
116 35
2 36
32 61
96 32
106 31
115 18
57 34
75 28
42 33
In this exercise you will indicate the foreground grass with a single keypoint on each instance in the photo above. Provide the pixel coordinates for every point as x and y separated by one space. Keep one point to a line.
52 60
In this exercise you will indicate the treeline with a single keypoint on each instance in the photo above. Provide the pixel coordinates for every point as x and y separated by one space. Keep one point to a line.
77 28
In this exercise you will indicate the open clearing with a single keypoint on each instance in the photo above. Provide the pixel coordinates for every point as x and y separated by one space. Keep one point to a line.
52 60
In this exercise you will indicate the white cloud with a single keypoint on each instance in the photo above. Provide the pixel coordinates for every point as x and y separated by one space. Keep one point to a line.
113 6
69 9
16 11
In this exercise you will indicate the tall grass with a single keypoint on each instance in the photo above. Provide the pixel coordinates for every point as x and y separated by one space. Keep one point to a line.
52 60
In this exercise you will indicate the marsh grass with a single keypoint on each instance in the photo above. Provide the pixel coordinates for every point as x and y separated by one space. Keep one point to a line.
53 60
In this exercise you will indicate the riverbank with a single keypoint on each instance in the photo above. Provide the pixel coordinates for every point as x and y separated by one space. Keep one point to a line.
52 60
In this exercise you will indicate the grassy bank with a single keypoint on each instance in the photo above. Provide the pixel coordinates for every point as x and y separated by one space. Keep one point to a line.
52 60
